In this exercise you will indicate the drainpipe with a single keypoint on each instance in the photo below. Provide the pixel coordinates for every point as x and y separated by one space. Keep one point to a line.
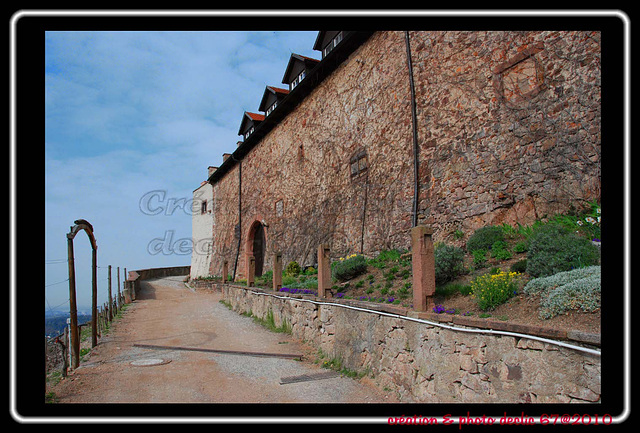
415 134
235 266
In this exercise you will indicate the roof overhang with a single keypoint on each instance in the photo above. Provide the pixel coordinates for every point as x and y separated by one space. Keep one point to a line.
351 42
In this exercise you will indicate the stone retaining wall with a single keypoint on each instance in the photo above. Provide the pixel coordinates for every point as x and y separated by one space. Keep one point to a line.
425 363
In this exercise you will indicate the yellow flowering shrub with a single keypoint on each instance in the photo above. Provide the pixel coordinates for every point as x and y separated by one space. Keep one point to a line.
491 290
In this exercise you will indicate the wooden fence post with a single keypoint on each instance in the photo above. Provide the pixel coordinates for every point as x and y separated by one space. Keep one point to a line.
110 298
73 311
119 298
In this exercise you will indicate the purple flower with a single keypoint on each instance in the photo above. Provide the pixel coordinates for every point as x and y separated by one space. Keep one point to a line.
438 309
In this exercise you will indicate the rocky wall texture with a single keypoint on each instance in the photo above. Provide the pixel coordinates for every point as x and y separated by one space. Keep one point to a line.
424 363
509 125
508 128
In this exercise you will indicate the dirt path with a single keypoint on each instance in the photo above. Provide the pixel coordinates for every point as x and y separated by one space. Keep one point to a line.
168 313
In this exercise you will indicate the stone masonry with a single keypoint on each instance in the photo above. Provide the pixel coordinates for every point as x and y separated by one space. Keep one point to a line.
425 363
508 130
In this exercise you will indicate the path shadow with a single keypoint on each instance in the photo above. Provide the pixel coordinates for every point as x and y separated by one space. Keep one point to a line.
147 291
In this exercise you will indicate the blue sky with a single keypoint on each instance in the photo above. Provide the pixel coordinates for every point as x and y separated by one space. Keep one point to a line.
135 115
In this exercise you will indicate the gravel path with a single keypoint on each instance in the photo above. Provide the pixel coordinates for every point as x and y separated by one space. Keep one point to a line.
168 313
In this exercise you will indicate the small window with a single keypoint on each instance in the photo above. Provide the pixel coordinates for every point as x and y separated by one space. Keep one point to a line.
358 163
298 79
331 45
270 109
203 207
279 208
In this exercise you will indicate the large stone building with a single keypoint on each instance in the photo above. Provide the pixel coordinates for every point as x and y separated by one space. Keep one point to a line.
390 129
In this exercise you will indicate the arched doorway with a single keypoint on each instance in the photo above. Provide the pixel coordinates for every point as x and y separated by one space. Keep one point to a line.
256 245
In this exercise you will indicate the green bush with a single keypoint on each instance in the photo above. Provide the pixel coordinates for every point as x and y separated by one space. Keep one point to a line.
452 289
542 285
293 269
484 238
520 247
448 263
499 251
310 271
384 257
288 280
579 289
583 294
348 268
554 249
479 258
519 266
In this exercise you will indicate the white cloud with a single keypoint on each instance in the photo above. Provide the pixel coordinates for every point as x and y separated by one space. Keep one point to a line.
133 112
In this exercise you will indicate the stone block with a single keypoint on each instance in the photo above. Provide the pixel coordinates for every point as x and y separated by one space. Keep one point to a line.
324 270
423 265
277 271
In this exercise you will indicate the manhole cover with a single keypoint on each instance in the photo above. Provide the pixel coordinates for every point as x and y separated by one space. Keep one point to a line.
150 362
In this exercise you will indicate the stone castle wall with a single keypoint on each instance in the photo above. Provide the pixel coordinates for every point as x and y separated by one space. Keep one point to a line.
508 127
425 363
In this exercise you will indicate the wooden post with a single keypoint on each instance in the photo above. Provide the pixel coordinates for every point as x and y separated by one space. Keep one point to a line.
277 271
94 297
324 270
73 311
119 299
109 312
65 351
423 266
127 292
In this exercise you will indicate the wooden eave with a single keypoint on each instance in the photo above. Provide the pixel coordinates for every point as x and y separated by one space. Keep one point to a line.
277 92
249 119
309 63
322 69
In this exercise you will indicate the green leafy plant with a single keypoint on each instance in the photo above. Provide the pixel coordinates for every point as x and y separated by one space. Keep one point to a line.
586 222
293 269
448 263
553 248
519 266
384 258
485 237
499 251
520 247
452 289
310 271
351 267
479 258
